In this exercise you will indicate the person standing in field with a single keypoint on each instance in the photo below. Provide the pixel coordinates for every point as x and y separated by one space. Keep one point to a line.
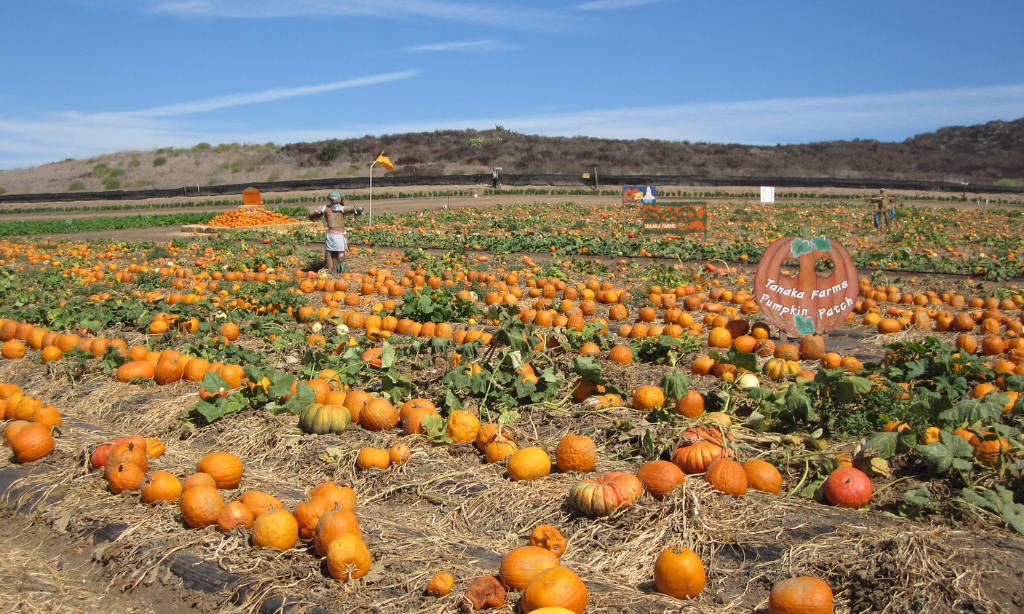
336 242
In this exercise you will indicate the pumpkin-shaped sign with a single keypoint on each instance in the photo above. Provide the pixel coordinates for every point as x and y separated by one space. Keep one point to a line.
251 196
808 303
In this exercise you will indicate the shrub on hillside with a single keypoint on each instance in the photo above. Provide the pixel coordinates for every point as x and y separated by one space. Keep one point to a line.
330 151
76 186
159 161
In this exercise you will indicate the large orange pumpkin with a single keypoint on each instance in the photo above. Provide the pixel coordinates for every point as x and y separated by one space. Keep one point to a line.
225 468
275 529
606 495
576 453
660 477
762 475
520 566
679 573
200 506
557 587
802 595
727 476
697 457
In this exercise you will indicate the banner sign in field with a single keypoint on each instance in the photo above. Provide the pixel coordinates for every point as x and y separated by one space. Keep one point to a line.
676 218
251 196
805 302
639 195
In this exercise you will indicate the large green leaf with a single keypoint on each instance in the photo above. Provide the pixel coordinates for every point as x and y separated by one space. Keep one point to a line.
588 368
676 384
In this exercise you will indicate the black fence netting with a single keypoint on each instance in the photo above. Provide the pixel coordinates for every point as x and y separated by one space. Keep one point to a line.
515 180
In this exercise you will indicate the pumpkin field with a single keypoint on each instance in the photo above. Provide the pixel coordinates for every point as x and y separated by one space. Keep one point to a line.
524 408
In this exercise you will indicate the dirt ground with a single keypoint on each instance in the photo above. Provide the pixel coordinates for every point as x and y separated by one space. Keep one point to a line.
45 571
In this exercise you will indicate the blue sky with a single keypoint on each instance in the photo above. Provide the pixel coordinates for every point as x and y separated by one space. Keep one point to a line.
83 77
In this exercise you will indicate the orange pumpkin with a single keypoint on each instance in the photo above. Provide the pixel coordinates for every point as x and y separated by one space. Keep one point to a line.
557 587
762 475
548 537
727 476
660 477
646 398
200 506
234 514
576 453
275 529
802 595
679 573
226 469
520 566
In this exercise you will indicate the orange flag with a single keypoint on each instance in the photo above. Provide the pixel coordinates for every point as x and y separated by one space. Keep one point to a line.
385 161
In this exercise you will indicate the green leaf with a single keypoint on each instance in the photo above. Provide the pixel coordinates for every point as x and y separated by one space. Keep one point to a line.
676 384
929 404
918 497
957 445
741 360
1014 514
303 398
647 443
434 425
588 368
280 384
822 244
213 383
799 404
811 490
885 443
761 394
972 411
451 400
210 409
387 356
1014 382
987 499
396 387
849 388
937 454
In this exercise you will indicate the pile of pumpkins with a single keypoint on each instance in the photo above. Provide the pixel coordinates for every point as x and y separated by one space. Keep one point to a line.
29 431
326 515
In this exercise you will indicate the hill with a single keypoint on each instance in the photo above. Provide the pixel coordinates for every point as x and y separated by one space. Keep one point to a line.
984 153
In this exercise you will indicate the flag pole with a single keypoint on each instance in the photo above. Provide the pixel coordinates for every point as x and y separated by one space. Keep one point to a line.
371 191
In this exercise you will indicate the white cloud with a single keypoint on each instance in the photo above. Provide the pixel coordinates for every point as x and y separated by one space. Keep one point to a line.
494 13
481 45
611 5
892 116
235 100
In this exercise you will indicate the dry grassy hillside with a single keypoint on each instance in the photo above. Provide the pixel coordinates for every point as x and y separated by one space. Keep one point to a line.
986 153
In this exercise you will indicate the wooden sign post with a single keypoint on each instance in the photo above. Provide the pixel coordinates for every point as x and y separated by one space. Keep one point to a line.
809 303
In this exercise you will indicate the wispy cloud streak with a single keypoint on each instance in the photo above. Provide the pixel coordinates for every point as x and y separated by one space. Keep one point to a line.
611 5
493 13
481 45
282 93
